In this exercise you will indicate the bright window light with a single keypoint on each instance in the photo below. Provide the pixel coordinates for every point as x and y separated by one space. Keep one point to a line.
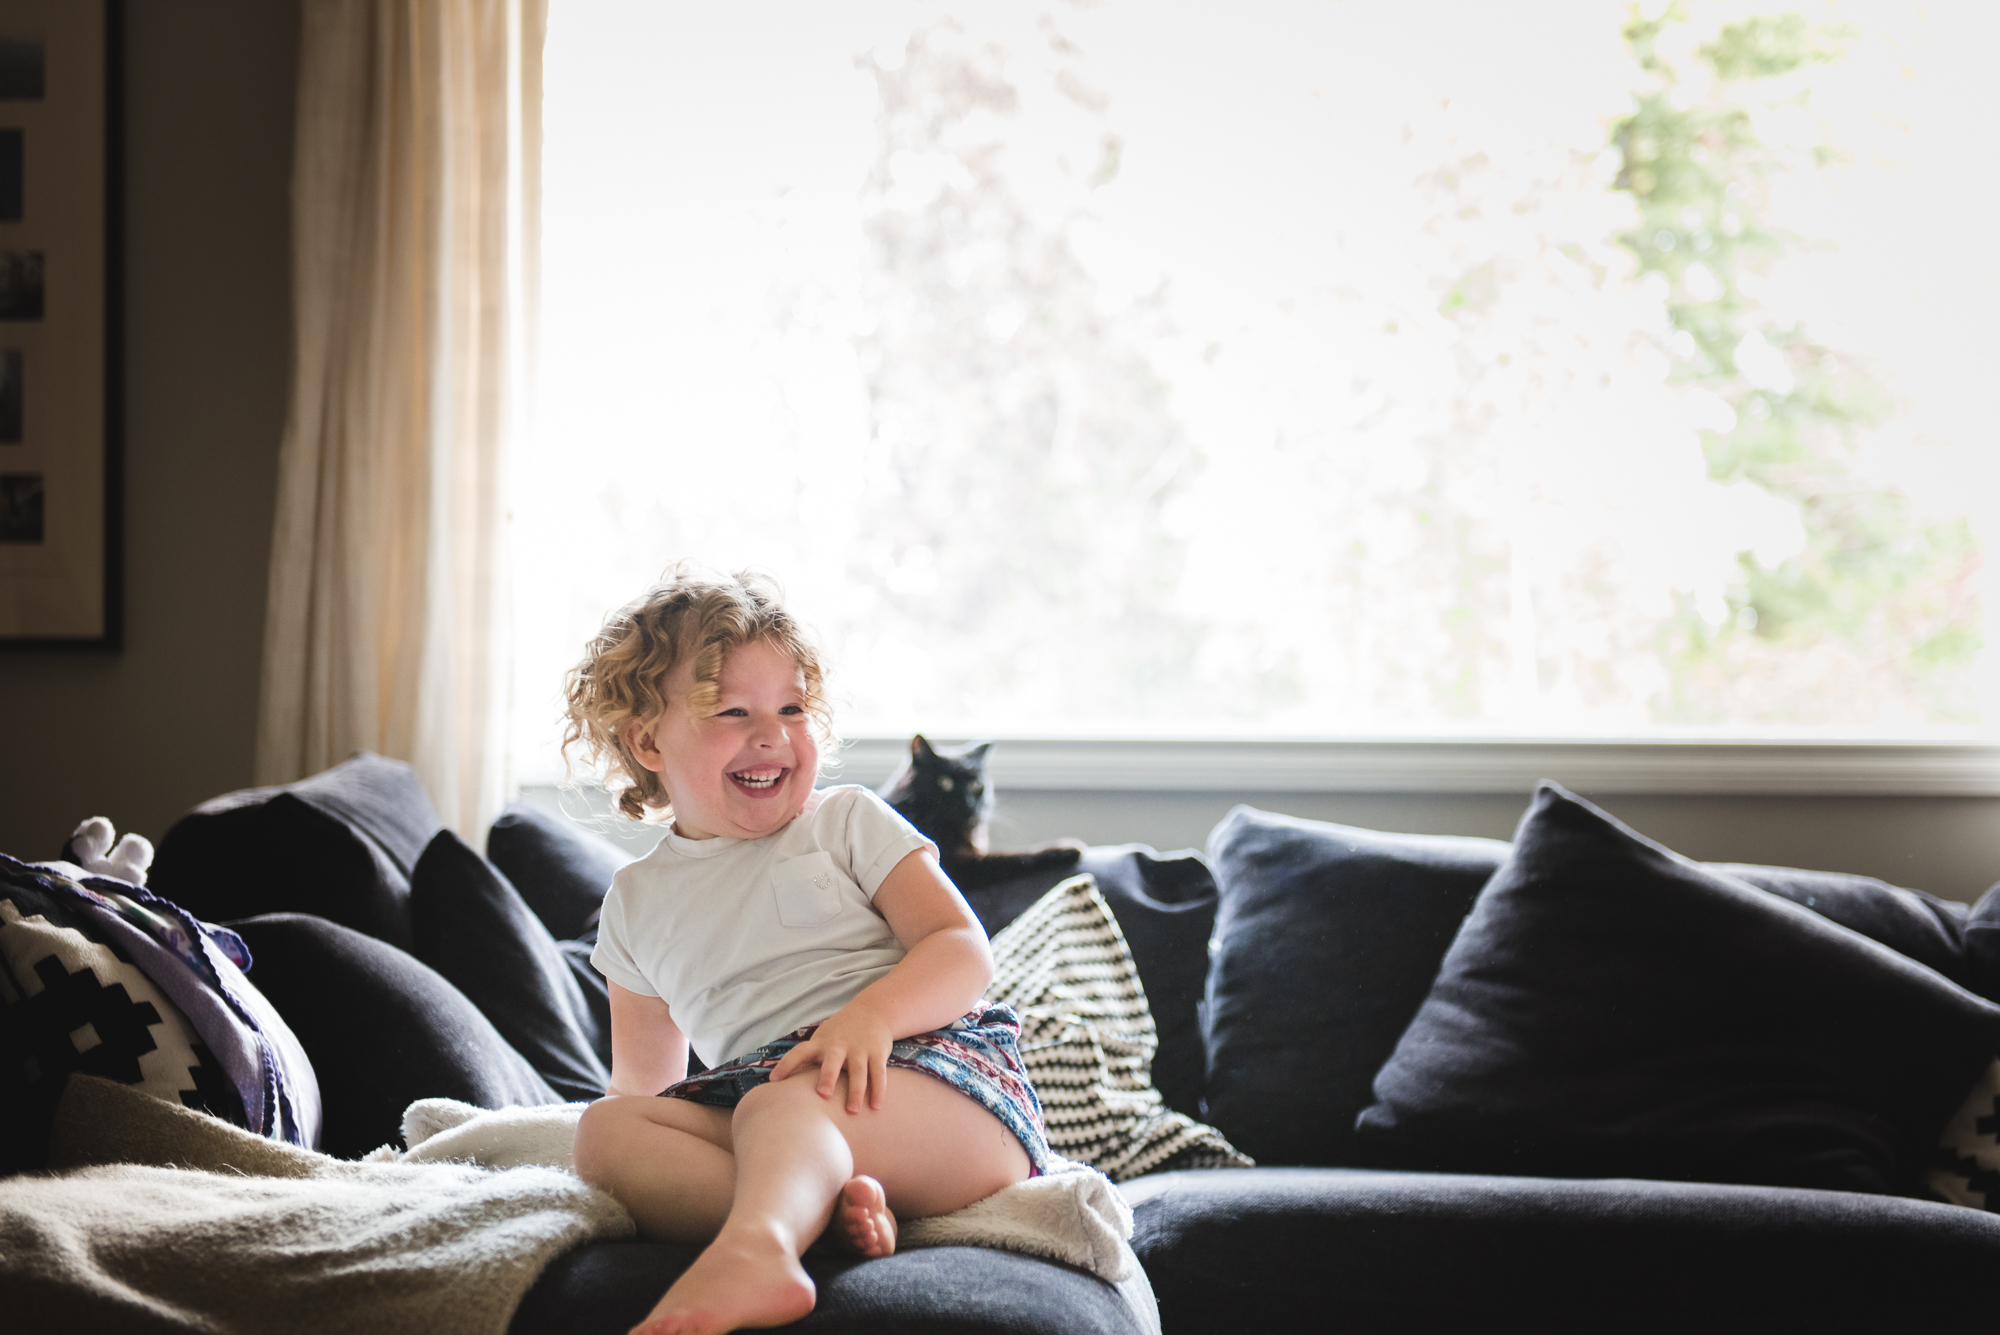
1369 369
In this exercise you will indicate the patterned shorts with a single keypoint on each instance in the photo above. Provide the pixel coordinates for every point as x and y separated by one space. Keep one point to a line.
977 1054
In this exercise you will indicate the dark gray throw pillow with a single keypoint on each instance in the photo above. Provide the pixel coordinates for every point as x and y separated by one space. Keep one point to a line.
1165 906
473 927
340 845
1327 937
1928 929
1611 1009
596 991
562 871
1982 944
381 1028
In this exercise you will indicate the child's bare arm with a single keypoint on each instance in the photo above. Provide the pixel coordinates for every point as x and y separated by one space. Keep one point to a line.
947 967
648 1050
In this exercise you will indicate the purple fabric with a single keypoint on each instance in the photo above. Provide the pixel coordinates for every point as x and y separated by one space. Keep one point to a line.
200 969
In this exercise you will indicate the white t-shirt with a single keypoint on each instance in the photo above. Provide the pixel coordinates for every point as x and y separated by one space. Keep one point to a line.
748 939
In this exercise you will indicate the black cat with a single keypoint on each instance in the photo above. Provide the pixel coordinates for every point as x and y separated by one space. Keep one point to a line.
947 798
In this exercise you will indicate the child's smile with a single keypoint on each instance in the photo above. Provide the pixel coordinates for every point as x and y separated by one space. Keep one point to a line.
742 767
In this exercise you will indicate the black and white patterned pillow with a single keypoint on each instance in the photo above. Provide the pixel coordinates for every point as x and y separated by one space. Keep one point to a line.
103 977
1967 1171
1087 1040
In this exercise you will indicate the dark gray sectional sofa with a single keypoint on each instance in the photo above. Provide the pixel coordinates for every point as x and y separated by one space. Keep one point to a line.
1571 1082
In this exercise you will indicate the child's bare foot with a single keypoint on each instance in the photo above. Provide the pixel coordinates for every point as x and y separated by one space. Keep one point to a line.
740 1282
862 1220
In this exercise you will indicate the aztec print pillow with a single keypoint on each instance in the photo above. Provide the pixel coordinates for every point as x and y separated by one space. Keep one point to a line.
1967 1168
1087 1040
102 976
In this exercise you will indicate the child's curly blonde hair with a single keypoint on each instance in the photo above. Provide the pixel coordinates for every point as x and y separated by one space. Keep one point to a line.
622 680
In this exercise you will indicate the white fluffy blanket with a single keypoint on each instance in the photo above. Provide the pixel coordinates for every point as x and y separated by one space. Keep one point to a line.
167 1220
161 1219
1072 1214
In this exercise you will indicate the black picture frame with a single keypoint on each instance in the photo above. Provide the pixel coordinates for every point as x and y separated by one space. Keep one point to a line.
62 478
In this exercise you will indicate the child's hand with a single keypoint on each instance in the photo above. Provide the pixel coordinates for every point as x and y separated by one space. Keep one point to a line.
853 1039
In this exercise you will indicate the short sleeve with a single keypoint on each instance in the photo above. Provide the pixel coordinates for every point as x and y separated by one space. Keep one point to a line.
875 838
613 955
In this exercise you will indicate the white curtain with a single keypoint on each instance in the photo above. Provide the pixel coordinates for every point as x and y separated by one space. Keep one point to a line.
415 195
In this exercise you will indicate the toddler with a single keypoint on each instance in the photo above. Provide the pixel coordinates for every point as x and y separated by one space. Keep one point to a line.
803 941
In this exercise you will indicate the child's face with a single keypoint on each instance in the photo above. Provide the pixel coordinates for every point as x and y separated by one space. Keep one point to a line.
744 768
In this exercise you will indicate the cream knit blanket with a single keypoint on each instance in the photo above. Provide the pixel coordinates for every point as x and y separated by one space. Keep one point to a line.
1073 1214
155 1218
158 1219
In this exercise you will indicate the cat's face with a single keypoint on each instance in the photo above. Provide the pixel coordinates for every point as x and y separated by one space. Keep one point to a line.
947 789
958 780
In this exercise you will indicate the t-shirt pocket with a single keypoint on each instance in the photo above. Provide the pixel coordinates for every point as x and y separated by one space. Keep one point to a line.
808 889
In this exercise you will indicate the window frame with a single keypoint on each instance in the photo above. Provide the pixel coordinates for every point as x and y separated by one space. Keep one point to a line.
1707 767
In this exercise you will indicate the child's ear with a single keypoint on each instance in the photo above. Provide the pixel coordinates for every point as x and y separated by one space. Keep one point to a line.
641 741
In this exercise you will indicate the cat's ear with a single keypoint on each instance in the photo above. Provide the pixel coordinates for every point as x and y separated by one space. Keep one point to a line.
976 754
921 749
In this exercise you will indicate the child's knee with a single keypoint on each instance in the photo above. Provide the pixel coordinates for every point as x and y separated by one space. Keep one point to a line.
596 1135
799 1091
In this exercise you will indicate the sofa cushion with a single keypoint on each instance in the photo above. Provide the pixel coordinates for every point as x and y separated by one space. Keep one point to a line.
1087 1039
341 844
562 871
1165 905
476 930
610 1286
1308 1249
1610 1007
383 1030
110 980
1326 940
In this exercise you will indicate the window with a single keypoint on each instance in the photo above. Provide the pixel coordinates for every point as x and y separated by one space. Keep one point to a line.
1284 369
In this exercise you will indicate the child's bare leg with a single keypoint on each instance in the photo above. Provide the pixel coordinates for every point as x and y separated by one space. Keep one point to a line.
929 1150
791 1162
668 1161
932 1148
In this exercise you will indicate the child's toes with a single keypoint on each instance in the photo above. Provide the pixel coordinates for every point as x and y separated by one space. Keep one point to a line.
863 1218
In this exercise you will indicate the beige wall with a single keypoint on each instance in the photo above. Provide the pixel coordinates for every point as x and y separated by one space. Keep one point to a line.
1949 846
141 736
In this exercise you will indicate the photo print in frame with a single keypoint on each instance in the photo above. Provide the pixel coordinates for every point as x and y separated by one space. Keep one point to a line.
61 483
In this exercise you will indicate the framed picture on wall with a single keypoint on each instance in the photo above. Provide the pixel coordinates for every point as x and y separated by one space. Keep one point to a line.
61 480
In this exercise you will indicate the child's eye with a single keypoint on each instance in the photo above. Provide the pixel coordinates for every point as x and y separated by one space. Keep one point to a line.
735 711
792 709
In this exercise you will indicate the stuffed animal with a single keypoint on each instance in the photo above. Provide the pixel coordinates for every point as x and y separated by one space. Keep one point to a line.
92 848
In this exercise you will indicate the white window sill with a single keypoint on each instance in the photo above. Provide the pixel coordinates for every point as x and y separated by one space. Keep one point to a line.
1764 768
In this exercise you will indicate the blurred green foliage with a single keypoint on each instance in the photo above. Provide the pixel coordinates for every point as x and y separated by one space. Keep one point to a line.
1878 599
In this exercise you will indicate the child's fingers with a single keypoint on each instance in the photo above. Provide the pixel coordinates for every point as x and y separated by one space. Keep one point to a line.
829 1072
857 1082
805 1054
878 1079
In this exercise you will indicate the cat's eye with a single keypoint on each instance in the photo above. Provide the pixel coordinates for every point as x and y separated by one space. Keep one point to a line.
944 782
